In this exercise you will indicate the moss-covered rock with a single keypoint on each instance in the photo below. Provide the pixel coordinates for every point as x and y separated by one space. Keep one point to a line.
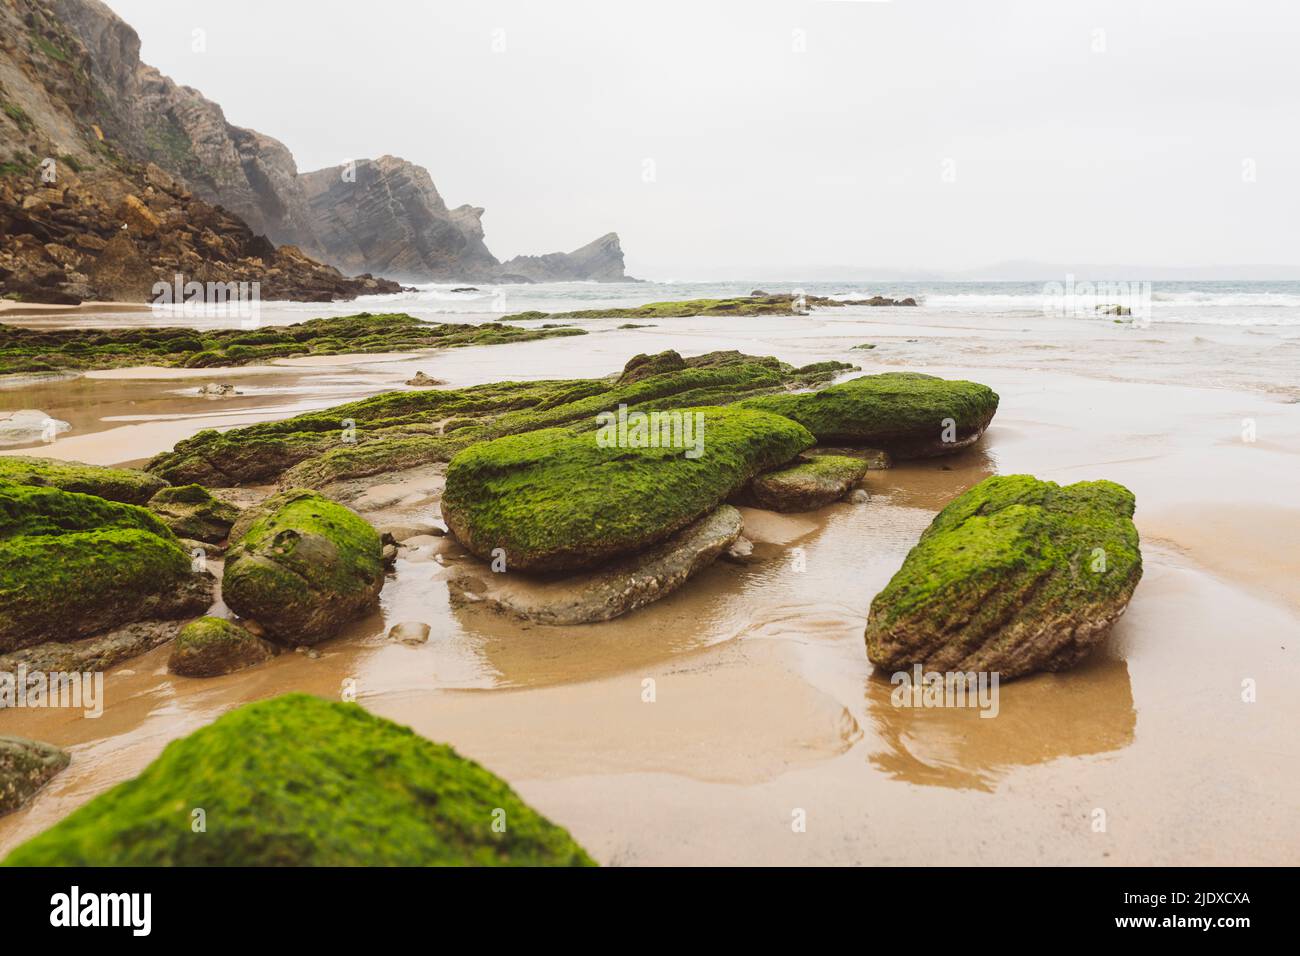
25 767
212 646
191 512
808 484
72 565
298 781
1016 575
558 500
304 567
115 484
907 414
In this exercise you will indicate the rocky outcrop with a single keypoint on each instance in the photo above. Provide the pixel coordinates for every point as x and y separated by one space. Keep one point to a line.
191 512
115 484
607 593
1015 576
809 484
74 565
600 260
300 781
212 646
85 88
907 414
113 178
385 215
553 500
25 767
302 567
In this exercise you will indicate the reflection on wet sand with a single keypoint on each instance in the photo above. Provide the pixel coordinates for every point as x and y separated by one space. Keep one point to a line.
1039 718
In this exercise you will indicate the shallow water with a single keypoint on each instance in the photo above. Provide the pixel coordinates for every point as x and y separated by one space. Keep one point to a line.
764 703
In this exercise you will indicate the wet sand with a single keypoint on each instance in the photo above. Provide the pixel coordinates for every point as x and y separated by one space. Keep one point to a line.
763 701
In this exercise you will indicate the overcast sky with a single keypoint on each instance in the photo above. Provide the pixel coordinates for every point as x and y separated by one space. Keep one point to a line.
764 137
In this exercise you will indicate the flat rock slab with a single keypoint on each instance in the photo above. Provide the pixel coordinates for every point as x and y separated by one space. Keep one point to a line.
808 484
25 767
606 594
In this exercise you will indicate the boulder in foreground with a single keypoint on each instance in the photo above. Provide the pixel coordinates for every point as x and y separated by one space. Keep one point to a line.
1015 576
557 500
303 567
299 781
906 414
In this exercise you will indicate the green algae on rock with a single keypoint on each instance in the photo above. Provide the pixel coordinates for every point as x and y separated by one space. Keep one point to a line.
25 767
906 414
1017 575
115 484
761 303
403 429
303 567
191 512
299 781
72 565
562 500
212 646
44 350
808 484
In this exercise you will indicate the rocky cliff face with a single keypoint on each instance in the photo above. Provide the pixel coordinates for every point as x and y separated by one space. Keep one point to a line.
109 173
384 217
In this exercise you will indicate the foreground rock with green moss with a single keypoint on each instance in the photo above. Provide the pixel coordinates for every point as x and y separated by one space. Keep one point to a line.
904 413
192 512
560 500
298 781
1015 576
115 484
24 350
302 567
211 647
73 565
810 483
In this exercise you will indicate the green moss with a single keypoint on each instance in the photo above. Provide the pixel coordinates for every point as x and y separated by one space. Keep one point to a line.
362 333
191 512
903 413
19 116
73 564
780 304
297 781
116 484
808 484
556 499
1010 555
303 568
212 646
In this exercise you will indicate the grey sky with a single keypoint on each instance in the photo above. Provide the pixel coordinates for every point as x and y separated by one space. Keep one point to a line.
770 160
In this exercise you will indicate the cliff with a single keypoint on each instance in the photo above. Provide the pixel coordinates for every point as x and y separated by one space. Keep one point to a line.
103 190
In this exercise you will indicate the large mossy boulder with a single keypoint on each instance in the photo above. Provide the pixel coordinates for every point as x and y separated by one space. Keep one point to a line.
808 484
302 567
73 565
114 484
213 646
192 512
559 500
1015 576
25 767
907 414
299 781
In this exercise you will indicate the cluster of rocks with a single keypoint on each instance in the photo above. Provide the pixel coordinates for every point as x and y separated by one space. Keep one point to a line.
111 236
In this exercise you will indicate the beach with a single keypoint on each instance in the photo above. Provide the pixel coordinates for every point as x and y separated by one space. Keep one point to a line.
738 721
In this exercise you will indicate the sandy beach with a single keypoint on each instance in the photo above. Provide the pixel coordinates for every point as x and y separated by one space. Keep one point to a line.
764 704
